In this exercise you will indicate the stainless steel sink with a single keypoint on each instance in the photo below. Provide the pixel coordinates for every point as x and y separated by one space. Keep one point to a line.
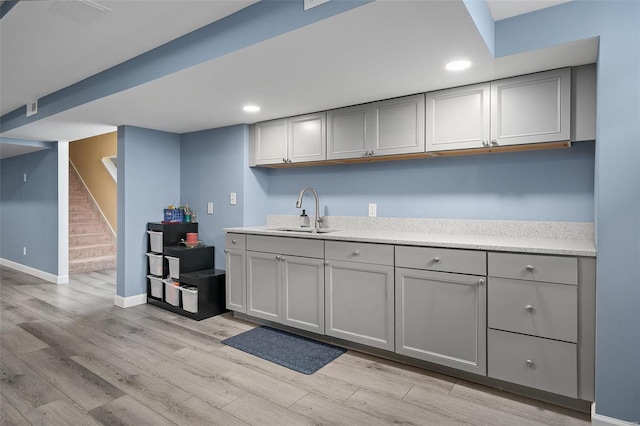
307 230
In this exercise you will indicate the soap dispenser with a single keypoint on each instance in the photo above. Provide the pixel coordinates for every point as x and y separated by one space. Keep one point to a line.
304 219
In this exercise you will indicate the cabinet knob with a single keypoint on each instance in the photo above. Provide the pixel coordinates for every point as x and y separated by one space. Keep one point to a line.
530 363
530 268
494 142
284 160
278 258
436 259
282 258
481 281
372 152
485 143
288 160
234 241
226 251
356 253
325 262
528 308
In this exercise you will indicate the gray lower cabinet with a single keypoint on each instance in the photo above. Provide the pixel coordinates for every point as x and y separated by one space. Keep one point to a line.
359 303
303 293
236 280
263 286
441 318
545 364
236 272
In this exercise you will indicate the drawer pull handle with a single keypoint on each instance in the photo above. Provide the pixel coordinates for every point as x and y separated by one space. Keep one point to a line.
529 308
530 363
356 253
436 259
530 268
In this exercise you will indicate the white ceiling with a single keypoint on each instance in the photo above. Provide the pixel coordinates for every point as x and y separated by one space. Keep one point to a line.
380 50
502 9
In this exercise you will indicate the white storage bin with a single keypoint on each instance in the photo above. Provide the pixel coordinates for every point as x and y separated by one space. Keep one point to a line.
155 264
156 286
171 292
174 266
155 240
189 298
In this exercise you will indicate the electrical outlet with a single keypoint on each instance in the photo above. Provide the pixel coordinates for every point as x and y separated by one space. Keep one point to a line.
232 198
24 251
209 208
373 209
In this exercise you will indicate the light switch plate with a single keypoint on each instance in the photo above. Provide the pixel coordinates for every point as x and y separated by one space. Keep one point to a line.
373 209
232 198
209 208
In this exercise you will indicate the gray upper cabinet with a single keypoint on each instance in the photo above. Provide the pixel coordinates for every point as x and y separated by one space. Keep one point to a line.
348 132
394 126
459 118
398 126
531 109
307 138
271 142
290 140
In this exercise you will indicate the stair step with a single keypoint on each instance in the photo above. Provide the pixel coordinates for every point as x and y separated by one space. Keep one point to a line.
90 239
78 217
92 264
91 251
81 207
86 228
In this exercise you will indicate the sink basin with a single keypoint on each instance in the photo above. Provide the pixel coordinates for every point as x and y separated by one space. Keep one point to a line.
306 230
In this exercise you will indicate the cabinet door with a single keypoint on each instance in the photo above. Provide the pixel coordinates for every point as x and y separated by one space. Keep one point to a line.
307 139
459 118
271 142
441 318
359 303
348 132
236 280
303 290
263 286
531 108
398 126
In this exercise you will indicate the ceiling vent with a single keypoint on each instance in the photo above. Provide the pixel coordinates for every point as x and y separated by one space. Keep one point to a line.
82 11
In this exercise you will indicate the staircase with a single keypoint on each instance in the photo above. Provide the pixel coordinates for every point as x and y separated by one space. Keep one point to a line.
91 243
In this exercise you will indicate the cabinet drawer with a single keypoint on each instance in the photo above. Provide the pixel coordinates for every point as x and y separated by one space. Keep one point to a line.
439 259
378 254
539 363
552 269
540 309
283 245
237 241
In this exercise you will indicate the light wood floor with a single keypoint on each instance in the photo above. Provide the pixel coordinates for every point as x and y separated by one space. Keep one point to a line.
69 357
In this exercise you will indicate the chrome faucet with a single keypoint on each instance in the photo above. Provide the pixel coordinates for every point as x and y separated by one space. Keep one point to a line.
317 219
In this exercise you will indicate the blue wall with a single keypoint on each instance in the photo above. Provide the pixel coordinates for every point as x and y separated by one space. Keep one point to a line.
552 185
617 179
212 165
29 210
148 181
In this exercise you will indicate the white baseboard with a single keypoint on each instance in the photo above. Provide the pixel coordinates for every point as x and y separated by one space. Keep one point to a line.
600 420
127 302
52 278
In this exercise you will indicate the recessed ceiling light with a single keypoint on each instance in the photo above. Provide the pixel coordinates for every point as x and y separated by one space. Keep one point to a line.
251 108
458 65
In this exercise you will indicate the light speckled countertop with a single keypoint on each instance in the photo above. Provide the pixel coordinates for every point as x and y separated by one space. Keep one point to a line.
575 239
